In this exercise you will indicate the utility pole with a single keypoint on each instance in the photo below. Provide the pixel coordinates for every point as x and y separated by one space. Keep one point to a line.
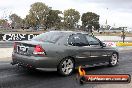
106 23
123 33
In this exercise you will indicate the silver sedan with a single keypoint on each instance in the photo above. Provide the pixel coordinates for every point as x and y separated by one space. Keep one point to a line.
63 51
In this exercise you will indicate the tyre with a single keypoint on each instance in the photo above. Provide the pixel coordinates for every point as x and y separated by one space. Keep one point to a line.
66 67
113 60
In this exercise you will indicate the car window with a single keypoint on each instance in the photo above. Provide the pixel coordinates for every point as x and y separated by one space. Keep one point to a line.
92 40
77 40
51 37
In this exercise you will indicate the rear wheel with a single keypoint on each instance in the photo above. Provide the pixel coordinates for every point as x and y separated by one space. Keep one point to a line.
66 67
113 60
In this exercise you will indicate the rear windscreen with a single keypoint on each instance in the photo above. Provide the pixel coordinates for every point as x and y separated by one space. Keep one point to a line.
51 37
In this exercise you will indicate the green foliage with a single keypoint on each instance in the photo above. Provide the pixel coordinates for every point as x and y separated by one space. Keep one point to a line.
38 14
90 19
2 22
71 18
53 19
16 21
30 20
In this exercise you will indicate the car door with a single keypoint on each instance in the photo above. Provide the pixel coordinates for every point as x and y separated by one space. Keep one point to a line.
79 46
98 53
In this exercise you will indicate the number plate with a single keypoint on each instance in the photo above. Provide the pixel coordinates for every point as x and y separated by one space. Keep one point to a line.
22 49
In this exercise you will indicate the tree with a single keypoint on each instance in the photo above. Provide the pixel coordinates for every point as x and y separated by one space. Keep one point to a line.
38 14
25 24
53 19
71 18
90 19
30 21
16 21
2 22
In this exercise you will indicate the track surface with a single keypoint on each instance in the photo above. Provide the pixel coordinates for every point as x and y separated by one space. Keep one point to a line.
14 77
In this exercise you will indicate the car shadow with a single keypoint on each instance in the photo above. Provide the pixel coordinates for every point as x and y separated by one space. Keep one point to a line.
54 74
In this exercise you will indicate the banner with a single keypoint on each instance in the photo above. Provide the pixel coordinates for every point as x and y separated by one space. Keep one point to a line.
110 44
16 37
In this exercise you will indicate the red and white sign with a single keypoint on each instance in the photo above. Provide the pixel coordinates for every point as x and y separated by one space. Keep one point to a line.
110 44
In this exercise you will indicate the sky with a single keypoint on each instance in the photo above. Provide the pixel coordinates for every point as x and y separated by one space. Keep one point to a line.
117 12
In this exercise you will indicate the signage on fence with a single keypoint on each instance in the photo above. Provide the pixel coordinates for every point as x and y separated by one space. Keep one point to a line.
110 44
16 37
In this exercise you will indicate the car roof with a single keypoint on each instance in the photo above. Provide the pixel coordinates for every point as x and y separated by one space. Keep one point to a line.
70 32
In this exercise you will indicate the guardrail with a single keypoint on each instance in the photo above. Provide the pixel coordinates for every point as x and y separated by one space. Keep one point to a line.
9 44
7 39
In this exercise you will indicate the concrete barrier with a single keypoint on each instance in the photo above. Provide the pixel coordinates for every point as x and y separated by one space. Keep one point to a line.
118 44
110 44
124 44
9 44
6 44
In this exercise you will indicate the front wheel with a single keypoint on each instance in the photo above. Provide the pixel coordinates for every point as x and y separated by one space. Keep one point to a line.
66 67
113 60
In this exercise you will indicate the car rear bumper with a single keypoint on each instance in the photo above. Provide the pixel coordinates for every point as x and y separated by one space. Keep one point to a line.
35 62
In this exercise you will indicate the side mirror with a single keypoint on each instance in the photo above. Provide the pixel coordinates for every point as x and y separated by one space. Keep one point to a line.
103 45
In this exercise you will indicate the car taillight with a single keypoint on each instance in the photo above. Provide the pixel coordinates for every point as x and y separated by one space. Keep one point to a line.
38 50
15 46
